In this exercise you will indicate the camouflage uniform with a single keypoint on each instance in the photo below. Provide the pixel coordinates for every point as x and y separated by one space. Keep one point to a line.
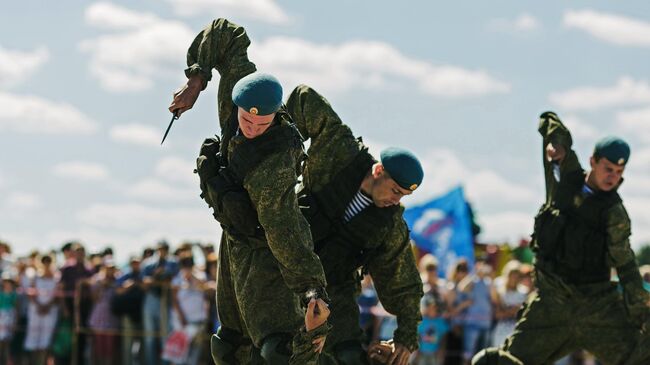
261 276
376 238
576 306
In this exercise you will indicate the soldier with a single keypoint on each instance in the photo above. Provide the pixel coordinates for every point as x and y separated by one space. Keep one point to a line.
356 222
248 177
581 232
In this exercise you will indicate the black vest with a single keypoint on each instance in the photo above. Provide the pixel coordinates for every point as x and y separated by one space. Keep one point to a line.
570 237
344 247
222 173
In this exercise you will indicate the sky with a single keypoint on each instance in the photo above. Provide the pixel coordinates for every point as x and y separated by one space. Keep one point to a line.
85 86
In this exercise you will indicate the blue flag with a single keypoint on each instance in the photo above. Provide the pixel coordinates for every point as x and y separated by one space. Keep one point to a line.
443 227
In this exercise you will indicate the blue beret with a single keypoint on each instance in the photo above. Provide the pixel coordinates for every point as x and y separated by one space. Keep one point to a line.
614 149
258 93
403 167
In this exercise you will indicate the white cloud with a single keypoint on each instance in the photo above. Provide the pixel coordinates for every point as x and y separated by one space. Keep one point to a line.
635 122
522 23
366 64
142 47
155 190
33 114
637 207
611 28
21 201
627 91
110 16
138 134
80 170
261 10
176 169
579 128
16 66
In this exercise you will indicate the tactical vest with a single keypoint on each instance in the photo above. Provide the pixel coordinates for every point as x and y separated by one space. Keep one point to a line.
351 242
570 237
222 174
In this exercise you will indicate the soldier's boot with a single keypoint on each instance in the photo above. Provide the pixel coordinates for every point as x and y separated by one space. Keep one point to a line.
494 356
350 353
276 349
224 345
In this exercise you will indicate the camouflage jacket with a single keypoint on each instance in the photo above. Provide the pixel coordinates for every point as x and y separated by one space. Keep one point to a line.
222 45
392 265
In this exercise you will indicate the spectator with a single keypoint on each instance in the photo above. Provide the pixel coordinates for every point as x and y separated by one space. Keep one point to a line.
73 279
6 263
24 280
190 308
645 274
510 297
8 301
156 277
478 319
457 303
431 332
367 300
42 313
433 284
102 322
128 303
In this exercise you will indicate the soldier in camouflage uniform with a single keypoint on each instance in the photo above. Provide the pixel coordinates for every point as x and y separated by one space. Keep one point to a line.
356 221
581 232
267 262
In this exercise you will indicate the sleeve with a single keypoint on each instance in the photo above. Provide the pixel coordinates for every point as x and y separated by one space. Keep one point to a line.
332 144
554 131
303 349
623 259
271 188
222 45
398 283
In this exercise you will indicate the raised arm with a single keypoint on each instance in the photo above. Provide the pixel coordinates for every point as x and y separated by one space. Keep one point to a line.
332 146
222 45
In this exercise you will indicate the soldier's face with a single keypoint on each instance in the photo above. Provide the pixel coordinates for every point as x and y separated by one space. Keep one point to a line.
605 175
252 125
386 192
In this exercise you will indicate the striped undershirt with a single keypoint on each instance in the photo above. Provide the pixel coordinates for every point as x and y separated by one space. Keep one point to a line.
358 203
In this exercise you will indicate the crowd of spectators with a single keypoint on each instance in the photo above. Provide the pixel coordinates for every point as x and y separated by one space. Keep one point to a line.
67 307
472 308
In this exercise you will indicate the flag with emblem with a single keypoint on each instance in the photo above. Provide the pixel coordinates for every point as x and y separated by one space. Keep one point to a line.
443 227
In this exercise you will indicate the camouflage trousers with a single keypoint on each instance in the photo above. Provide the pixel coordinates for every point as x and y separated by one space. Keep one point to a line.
559 319
252 297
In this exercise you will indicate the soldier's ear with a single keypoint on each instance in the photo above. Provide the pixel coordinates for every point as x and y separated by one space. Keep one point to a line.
377 170
592 162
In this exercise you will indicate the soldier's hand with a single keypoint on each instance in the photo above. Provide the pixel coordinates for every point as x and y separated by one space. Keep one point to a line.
380 352
400 355
316 314
555 152
319 344
185 97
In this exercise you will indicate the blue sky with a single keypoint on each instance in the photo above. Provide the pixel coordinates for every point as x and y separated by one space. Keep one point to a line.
84 88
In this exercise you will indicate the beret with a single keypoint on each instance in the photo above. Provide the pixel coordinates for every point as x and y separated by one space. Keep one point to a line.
403 167
258 93
614 149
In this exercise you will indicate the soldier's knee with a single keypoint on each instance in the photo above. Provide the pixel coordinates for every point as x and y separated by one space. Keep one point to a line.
494 356
276 349
224 345
350 353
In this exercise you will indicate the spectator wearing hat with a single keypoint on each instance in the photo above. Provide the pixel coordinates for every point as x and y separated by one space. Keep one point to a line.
510 297
433 285
128 301
432 332
268 266
157 274
581 232
357 222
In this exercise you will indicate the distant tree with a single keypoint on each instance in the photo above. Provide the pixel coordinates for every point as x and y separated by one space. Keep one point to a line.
643 255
